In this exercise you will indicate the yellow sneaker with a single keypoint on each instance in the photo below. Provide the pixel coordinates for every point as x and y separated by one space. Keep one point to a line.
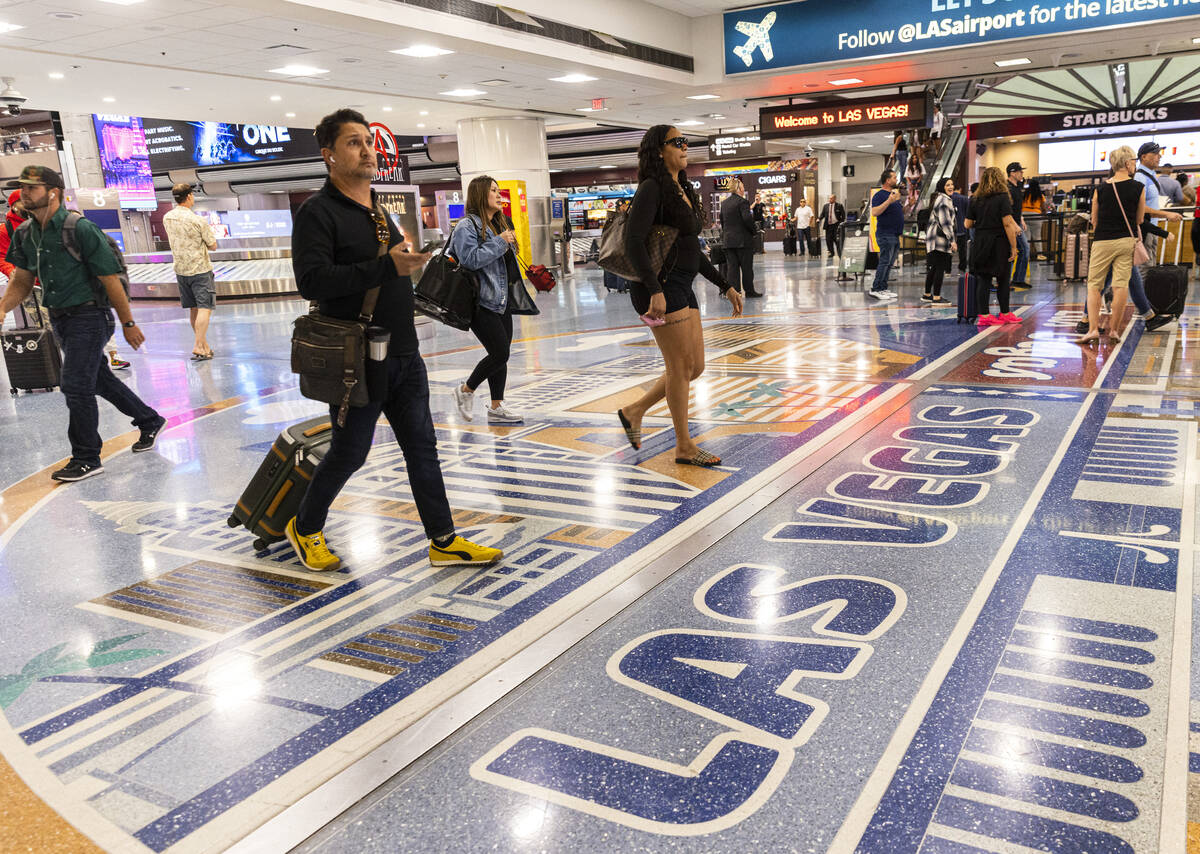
464 552
311 550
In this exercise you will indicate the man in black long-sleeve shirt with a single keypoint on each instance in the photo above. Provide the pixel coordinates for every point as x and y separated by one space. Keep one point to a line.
336 240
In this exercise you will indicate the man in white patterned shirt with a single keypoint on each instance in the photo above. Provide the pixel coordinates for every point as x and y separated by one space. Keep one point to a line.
191 238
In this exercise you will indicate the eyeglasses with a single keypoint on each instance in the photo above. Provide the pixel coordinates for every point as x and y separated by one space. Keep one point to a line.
381 228
679 142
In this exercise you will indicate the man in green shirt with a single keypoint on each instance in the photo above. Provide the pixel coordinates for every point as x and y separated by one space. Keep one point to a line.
80 296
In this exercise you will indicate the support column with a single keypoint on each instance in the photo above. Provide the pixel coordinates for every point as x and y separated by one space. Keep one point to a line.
512 149
829 175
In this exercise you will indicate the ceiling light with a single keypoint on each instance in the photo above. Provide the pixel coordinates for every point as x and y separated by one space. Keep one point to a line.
828 141
745 129
109 100
1008 63
552 171
573 78
420 124
1196 40
716 115
868 145
422 51
586 110
290 115
847 81
464 93
690 123
122 2
606 167
276 97
424 112
56 75
8 28
387 109
703 97
299 70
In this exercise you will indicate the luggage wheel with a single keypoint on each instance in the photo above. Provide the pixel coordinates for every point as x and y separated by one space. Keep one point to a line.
260 546
232 521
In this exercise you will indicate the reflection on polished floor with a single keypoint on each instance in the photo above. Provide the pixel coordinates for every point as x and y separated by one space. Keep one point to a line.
937 598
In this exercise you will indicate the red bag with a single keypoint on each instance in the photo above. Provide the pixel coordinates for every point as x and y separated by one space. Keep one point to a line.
541 278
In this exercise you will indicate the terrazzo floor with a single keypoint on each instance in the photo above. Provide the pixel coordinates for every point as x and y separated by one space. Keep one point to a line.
937 598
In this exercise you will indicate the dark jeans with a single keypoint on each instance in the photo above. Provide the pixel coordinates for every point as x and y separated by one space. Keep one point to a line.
85 374
831 240
495 332
889 247
963 241
983 292
407 410
1022 262
739 261
937 266
805 235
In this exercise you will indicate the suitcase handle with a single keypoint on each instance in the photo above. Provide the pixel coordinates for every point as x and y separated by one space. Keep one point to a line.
314 431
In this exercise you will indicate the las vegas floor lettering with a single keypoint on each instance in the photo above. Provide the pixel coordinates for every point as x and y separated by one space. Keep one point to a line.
967 633
230 684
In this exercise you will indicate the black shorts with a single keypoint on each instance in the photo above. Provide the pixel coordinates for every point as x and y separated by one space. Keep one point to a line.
677 289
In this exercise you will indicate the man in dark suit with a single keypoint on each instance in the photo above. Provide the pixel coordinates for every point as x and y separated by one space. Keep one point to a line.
833 214
737 238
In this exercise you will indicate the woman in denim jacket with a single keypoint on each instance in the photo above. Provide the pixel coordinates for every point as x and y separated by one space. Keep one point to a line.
482 243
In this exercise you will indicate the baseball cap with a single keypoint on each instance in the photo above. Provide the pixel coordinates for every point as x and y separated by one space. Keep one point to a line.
37 176
182 191
1149 148
1014 167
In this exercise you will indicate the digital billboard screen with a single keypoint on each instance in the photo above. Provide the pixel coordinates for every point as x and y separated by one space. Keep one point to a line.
124 160
176 144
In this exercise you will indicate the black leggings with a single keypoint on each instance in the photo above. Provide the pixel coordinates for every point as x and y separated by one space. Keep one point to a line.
983 292
937 266
495 332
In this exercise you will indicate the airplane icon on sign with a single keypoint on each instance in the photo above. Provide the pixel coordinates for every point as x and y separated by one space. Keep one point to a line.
759 40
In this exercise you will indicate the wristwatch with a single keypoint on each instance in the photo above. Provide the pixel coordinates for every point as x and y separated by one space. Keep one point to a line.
129 323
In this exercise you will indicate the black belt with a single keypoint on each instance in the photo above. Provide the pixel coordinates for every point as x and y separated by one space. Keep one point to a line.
72 309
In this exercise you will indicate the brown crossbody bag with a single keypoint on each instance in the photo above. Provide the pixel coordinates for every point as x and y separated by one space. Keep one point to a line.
330 354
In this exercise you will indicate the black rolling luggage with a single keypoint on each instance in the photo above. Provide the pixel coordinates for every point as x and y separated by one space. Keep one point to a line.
31 355
789 245
1166 288
275 491
613 282
814 247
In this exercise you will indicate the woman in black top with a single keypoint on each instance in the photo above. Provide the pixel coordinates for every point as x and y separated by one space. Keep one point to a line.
994 245
665 197
1116 206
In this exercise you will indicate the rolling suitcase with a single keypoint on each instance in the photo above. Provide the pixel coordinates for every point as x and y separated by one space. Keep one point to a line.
967 309
1166 288
275 491
613 282
789 244
31 355
814 247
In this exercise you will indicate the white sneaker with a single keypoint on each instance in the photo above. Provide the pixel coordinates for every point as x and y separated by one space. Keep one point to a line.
501 415
463 400
877 294
889 294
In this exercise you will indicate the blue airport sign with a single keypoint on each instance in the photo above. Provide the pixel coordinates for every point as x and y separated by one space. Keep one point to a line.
807 32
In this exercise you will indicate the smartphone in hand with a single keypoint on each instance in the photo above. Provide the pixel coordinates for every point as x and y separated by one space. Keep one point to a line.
652 321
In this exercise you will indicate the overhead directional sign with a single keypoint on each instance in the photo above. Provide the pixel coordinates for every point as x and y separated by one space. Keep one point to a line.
891 112
806 32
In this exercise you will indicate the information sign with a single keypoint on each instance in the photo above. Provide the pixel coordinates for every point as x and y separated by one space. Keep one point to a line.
892 112
738 145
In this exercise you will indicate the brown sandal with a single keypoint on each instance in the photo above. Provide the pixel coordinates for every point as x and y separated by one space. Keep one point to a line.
634 436
702 458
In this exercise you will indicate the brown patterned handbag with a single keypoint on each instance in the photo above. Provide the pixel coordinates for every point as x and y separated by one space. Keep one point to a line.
659 244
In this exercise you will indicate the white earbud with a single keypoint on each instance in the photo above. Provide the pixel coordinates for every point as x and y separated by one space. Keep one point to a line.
332 160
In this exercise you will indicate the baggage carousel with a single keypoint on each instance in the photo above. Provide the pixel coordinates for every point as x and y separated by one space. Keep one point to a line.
239 273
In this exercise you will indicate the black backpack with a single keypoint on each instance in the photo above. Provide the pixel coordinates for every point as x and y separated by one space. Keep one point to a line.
71 244
923 220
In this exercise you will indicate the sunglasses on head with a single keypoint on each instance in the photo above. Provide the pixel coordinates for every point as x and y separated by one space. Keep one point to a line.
678 141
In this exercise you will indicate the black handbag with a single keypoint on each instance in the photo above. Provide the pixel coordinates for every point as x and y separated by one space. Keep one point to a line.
446 291
519 300
330 354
